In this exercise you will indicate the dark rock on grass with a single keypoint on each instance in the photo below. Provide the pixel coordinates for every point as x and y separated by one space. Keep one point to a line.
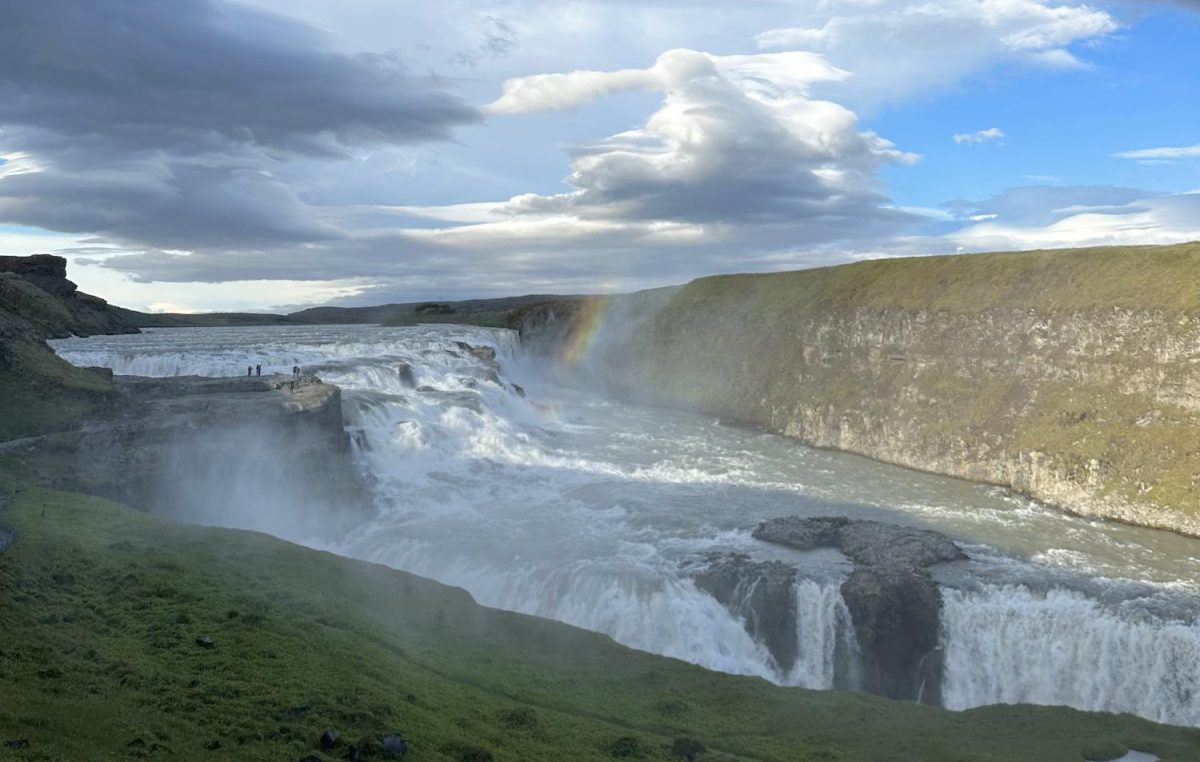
627 747
205 641
893 600
763 595
329 739
17 743
521 718
687 748
213 745
672 709
297 711
474 754
392 744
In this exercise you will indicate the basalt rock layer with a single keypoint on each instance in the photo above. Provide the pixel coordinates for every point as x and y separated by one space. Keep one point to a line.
1069 376
232 451
893 600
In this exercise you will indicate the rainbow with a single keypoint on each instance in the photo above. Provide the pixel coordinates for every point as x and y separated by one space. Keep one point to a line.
585 327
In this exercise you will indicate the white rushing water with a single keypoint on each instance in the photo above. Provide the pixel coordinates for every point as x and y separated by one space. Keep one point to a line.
568 505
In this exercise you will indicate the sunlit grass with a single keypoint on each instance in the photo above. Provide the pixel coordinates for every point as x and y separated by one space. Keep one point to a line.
102 606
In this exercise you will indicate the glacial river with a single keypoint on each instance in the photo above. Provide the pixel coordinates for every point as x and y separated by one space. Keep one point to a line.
566 504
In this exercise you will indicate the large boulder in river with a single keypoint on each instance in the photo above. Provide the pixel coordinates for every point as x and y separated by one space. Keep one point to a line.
484 354
762 594
893 600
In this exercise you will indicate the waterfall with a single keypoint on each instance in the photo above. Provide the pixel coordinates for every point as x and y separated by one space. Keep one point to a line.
1008 644
595 513
828 655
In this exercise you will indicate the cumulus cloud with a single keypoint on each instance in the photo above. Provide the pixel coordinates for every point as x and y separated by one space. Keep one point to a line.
897 48
737 140
215 153
1167 153
981 136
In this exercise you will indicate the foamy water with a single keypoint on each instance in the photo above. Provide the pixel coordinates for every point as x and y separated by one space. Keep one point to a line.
571 506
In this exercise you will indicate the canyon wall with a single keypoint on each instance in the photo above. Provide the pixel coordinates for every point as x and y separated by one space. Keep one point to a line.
1070 376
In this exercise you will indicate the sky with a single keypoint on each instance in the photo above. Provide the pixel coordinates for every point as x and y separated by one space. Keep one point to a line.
201 155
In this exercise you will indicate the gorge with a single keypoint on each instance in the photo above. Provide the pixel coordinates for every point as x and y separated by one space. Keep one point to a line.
510 463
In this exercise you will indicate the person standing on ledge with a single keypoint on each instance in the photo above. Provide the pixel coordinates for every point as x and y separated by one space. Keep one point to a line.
249 371
296 370
258 370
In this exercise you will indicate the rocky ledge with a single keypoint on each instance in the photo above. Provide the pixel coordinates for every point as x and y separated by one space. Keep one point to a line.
241 451
763 594
893 600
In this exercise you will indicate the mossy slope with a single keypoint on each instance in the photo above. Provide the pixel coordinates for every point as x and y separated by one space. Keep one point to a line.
1068 375
1074 280
38 390
102 605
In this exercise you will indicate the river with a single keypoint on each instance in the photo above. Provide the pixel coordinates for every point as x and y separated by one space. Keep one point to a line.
566 504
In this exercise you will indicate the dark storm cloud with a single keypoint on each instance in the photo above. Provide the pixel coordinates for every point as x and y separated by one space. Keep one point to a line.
199 76
162 124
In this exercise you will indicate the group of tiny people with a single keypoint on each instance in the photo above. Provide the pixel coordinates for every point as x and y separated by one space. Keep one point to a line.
256 370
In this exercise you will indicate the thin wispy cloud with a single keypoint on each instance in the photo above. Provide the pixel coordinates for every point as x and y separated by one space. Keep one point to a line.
1165 153
981 136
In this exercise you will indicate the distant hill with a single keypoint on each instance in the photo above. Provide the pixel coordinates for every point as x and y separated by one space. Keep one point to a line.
469 310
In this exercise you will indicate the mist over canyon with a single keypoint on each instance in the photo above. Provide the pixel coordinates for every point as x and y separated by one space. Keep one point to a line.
565 503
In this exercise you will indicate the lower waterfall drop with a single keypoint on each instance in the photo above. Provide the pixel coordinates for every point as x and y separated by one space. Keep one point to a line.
1009 645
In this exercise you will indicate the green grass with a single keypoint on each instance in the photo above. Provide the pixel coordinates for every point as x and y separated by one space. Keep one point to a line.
1132 277
102 605
38 390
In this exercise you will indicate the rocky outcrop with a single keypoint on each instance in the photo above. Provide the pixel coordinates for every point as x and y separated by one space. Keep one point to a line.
255 452
762 594
1068 376
88 315
893 600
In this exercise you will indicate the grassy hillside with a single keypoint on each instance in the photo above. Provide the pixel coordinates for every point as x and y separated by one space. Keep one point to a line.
99 659
1131 277
1068 375
39 391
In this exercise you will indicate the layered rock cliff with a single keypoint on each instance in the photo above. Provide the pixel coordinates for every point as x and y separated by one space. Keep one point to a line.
82 314
1070 376
235 451
253 452
39 391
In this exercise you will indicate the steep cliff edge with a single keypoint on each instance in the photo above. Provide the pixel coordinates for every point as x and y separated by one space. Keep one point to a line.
239 451
260 452
81 314
1071 376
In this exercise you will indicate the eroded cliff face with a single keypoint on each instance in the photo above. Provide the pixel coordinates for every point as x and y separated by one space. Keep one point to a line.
257 453
1089 406
83 314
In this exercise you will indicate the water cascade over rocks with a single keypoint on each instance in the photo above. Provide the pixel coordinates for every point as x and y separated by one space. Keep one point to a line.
640 523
